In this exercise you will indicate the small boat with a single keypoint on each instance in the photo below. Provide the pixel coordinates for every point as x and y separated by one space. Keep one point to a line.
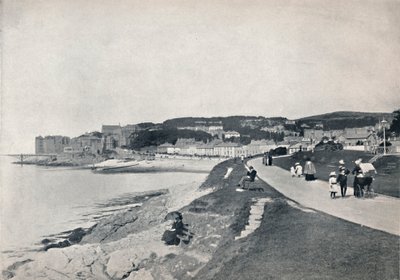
114 165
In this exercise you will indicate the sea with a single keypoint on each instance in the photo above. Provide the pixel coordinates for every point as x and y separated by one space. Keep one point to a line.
37 202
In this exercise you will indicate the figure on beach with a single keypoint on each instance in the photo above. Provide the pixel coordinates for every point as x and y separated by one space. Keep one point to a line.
298 169
333 186
342 177
309 170
250 176
178 232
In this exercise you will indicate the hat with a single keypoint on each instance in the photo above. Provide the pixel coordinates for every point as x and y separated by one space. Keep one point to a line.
341 161
358 161
251 167
333 173
297 163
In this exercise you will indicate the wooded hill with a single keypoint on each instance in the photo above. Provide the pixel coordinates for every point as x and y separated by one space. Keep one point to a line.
343 119
249 127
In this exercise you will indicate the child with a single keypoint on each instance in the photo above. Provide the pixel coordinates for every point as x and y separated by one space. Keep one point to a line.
298 169
292 171
333 186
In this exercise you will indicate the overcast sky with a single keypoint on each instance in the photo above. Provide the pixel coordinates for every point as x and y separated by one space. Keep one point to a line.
71 66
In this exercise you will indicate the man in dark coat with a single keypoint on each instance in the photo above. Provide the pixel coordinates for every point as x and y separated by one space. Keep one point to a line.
250 176
342 177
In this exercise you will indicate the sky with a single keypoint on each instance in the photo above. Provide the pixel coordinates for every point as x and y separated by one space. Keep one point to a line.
69 66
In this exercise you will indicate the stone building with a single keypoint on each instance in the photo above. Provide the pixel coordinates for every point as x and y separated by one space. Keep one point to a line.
52 144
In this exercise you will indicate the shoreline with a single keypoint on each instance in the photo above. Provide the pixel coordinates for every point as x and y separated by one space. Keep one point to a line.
129 246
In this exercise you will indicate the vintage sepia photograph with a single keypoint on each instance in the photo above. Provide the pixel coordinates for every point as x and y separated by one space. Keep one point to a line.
213 139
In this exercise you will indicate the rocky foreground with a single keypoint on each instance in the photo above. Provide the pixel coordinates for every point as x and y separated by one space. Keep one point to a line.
236 235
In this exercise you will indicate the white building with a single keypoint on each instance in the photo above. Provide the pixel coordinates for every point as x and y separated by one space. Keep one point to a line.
231 134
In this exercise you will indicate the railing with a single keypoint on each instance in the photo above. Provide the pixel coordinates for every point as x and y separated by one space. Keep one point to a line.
375 158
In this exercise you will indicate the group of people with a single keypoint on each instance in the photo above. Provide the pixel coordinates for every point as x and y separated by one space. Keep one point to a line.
362 178
337 181
308 171
340 180
267 159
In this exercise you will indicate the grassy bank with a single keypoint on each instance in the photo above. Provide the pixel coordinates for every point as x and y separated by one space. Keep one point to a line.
388 168
293 244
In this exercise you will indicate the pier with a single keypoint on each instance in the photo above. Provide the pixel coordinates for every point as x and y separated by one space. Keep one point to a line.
24 157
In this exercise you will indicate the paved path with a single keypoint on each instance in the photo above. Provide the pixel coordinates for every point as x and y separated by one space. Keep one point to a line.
381 212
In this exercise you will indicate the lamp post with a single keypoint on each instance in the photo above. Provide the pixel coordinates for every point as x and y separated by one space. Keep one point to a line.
384 122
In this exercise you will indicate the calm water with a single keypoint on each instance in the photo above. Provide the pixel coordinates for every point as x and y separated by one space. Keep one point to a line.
38 201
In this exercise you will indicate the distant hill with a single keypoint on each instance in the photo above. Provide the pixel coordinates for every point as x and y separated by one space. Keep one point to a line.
343 119
250 127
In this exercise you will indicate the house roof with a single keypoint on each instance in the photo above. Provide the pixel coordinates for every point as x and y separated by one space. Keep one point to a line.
110 126
228 144
166 145
295 146
231 132
351 135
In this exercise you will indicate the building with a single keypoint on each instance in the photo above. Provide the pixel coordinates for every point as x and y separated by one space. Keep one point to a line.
371 143
205 149
89 143
53 144
215 129
315 134
294 148
290 122
356 136
39 145
231 134
228 150
126 132
166 148
258 147
274 129
112 136
111 129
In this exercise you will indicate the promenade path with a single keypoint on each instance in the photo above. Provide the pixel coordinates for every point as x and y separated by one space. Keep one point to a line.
381 212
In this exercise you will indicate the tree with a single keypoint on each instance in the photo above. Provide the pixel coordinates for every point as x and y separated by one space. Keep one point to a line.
395 126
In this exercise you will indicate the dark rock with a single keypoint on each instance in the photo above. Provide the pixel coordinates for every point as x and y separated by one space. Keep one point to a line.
45 241
76 235
61 244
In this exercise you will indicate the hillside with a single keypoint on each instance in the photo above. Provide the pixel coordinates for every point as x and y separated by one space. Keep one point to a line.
250 127
342 119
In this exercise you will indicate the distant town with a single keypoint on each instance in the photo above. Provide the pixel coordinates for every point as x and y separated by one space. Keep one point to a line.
232 136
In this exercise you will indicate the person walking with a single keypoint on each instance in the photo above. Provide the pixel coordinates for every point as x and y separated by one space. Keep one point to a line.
309 170
357 172
265 159
342 177
269 159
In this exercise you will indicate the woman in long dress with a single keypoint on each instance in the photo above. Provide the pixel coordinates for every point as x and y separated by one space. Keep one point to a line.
309 170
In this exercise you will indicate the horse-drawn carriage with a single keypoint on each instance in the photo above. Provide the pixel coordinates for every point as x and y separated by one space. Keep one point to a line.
364 176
